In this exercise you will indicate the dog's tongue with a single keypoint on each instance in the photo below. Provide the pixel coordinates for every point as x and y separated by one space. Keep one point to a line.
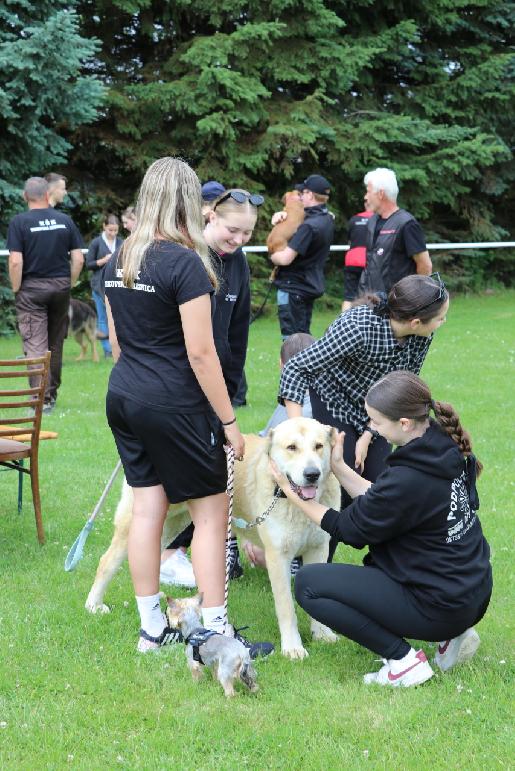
308 492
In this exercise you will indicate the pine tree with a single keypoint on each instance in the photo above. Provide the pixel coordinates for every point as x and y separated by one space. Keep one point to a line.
44 91
262 94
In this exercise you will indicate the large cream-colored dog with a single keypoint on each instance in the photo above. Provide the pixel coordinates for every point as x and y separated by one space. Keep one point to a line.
301 448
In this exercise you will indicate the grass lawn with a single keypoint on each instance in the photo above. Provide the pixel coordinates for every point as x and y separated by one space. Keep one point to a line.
74 693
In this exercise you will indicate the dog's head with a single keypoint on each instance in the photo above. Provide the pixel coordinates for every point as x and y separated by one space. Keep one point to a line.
301 448
292 203
290 195
176 610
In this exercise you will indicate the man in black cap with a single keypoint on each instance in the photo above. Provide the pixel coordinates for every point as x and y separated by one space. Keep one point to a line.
300 275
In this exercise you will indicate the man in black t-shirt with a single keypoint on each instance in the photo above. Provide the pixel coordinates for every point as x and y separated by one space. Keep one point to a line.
300 274
41 242
396 245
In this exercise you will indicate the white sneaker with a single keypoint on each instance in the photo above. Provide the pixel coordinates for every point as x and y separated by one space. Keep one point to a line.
457 650
413 669
177 570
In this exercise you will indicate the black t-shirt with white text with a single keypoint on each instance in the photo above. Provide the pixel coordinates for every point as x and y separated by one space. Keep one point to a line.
45 238
153 367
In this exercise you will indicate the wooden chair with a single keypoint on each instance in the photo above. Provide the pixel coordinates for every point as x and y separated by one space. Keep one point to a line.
12 451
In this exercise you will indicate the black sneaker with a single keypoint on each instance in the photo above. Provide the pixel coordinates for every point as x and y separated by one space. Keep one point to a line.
235 566
256 649
296 565
169 635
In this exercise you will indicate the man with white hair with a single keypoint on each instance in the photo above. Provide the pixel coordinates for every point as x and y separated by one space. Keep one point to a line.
396 246
45 260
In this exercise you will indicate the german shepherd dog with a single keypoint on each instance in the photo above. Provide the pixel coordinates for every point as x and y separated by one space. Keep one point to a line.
83 327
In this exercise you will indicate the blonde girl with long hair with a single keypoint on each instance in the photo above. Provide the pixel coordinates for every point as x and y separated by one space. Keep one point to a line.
167 403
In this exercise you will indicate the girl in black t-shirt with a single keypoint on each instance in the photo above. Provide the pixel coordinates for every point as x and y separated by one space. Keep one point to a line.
167 403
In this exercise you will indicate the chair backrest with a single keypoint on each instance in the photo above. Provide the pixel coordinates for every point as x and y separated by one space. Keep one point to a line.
18 397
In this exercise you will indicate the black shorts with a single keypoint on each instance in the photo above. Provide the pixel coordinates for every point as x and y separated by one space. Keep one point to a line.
182 452
351 276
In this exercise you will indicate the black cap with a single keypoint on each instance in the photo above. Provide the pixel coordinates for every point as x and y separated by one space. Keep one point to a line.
316 183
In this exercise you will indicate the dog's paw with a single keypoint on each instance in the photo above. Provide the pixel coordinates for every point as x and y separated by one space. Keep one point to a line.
299 652
321 632
93 607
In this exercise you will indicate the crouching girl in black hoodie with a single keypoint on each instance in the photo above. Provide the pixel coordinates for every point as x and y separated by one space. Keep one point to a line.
427 574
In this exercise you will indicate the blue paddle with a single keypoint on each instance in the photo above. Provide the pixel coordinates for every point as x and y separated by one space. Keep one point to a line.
75 554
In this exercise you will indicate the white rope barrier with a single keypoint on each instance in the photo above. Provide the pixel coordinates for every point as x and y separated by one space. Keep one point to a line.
430 247
345 247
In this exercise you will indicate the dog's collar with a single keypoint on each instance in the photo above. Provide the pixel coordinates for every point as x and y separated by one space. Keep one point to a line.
278 493
197 638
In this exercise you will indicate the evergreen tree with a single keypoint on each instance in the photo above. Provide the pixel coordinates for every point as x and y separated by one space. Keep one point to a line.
44 91
262 94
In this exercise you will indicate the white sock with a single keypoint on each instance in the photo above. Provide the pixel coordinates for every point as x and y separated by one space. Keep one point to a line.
398 665
151 615
213 618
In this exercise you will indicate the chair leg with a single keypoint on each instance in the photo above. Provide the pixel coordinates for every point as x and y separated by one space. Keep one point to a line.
34 481
20 486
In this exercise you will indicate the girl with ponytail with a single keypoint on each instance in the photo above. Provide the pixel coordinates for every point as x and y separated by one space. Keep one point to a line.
427 574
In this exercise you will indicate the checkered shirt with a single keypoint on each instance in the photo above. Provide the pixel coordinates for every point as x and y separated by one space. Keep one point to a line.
356 351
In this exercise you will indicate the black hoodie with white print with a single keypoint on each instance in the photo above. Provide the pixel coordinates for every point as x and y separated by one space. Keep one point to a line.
420 523
231 319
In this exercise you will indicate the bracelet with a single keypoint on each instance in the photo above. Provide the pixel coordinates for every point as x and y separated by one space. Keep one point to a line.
375 434
229 423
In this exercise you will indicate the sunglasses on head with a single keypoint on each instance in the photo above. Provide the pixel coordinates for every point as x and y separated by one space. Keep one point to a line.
240 197
442 293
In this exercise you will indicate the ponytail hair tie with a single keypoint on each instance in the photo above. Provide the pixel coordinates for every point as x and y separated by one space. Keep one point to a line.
432 405
381 307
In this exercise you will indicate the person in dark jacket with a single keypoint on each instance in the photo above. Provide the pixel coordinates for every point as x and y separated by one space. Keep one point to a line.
300 265
427 574
99 252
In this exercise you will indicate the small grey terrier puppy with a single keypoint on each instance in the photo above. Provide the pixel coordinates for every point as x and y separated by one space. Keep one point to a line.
228 658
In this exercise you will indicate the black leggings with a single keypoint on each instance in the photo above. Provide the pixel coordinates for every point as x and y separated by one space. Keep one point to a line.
365 605
378 451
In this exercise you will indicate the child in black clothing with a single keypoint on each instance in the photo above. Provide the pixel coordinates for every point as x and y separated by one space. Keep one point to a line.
427 574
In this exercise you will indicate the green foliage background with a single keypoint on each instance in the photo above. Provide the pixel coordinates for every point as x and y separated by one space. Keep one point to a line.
261 94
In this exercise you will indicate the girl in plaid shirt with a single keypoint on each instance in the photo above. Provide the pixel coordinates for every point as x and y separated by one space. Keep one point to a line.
361 346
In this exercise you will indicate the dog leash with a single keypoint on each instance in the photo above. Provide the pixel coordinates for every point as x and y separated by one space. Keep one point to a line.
261 308
230 493
243 525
